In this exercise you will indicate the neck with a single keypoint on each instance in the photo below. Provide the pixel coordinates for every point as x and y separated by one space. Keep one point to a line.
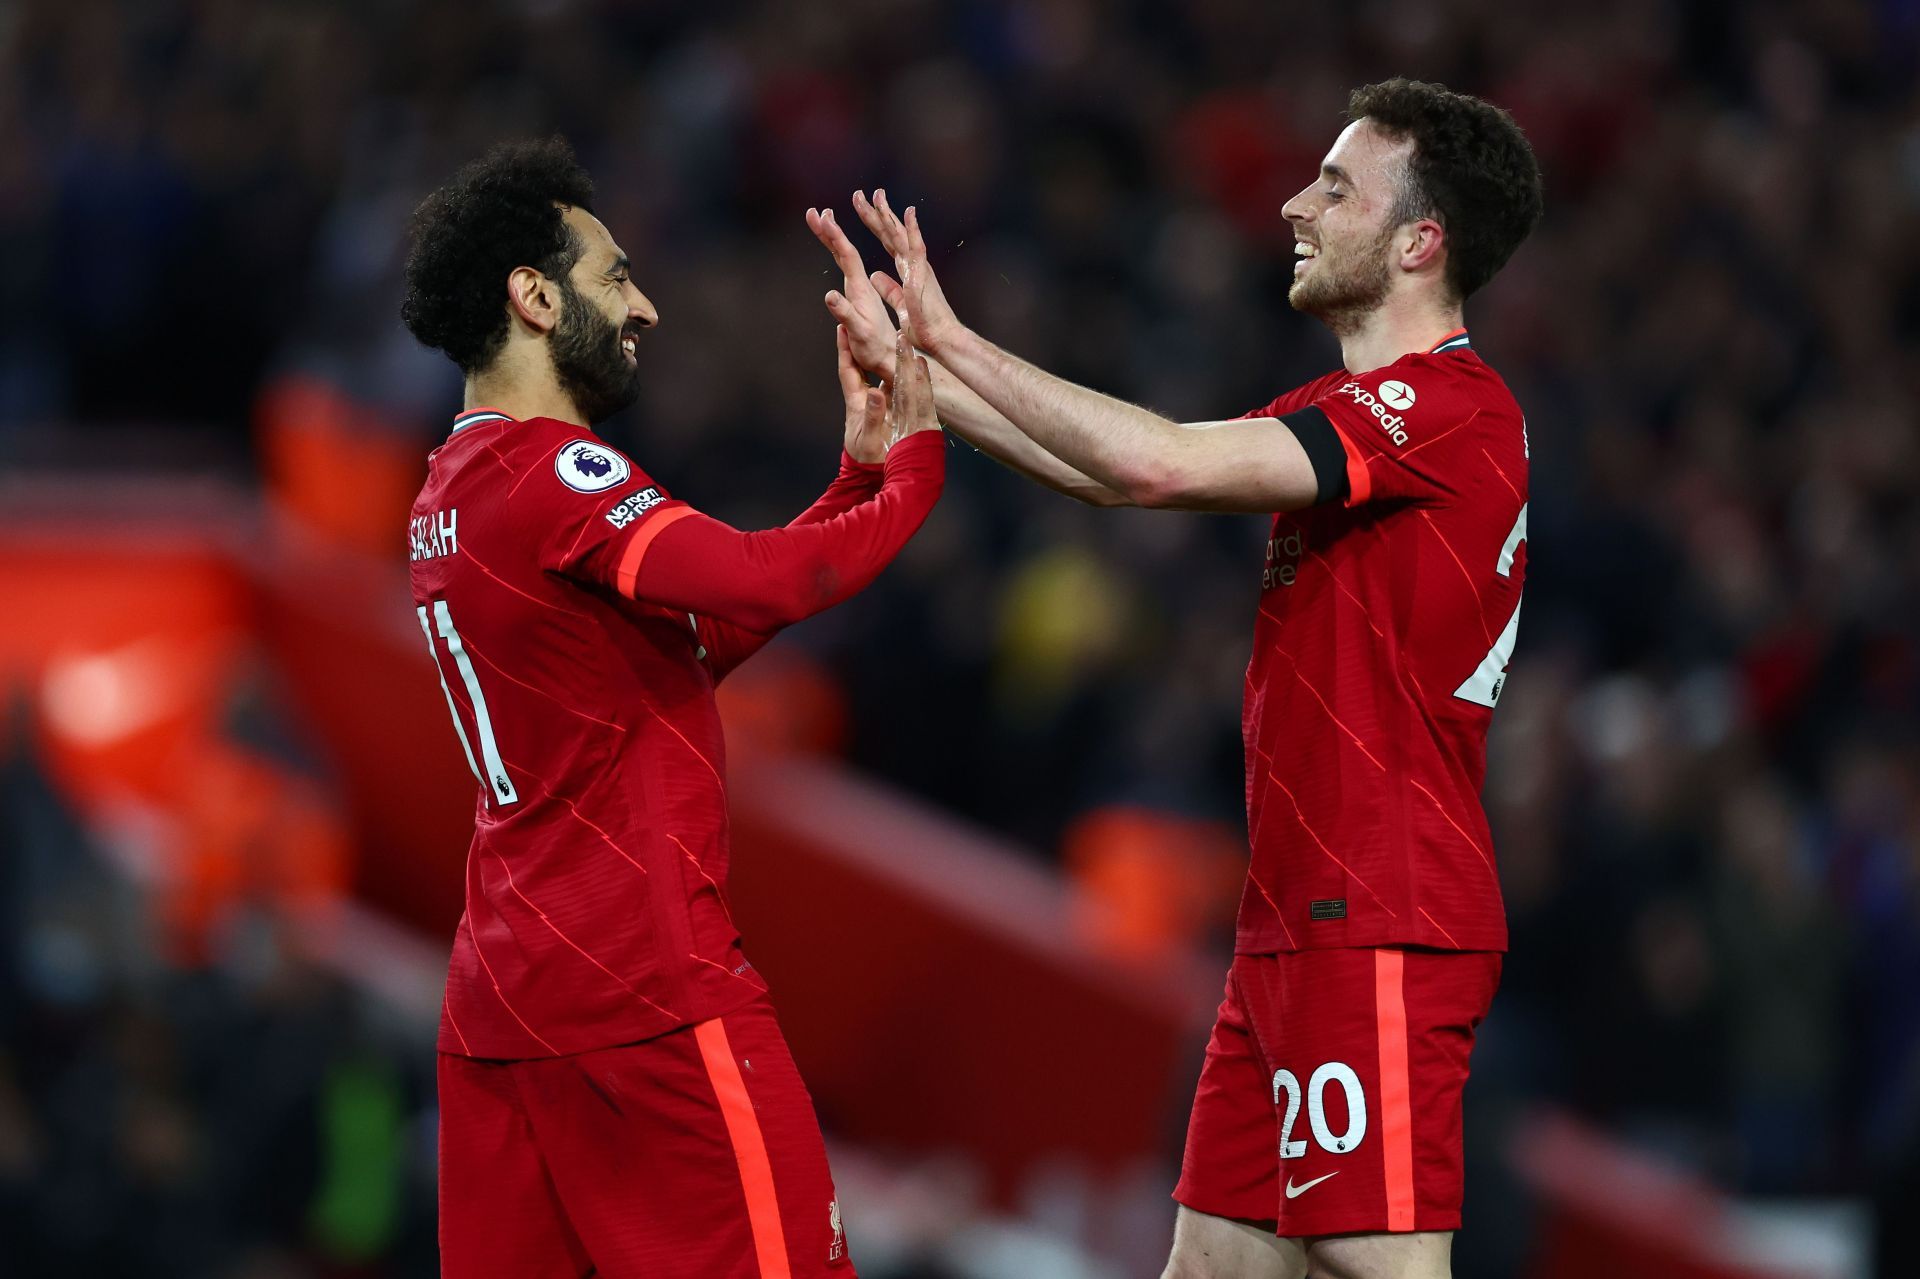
521 392
1396 328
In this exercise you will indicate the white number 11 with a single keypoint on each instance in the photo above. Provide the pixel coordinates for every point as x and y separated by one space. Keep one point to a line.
495 780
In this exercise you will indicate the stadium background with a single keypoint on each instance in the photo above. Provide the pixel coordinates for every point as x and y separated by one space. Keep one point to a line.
1704 781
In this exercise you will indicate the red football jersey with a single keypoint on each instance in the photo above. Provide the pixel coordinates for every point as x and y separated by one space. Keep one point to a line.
579 618
1385 626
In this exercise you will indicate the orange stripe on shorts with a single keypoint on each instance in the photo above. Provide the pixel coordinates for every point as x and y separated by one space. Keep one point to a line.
637 545
1396 1095
749 1149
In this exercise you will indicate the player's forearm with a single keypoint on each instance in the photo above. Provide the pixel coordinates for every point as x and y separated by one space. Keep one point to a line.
729 645
971 418
856 482
1128 450
773 578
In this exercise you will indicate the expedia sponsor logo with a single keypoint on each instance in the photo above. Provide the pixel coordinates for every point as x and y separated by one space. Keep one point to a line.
633 506
1399 396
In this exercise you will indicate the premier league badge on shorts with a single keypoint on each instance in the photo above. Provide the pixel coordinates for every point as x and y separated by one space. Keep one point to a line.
588 466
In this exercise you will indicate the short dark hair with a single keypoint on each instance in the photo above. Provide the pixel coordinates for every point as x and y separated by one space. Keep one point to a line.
1472 171
502 211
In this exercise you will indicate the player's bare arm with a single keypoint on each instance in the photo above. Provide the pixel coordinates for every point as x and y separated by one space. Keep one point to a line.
1150 460
862 314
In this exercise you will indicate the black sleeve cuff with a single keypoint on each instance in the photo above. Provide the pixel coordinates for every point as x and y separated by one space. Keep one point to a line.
1329 457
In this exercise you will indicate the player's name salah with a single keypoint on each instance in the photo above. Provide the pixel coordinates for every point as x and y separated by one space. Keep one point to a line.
434 534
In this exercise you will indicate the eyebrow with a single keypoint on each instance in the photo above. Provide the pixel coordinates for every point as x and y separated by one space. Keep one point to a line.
619 264
1337 173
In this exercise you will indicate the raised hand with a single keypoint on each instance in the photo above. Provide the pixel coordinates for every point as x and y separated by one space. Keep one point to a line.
856 304
868 426
911 392
916 295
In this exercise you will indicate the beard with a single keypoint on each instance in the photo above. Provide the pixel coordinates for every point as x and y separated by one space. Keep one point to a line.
588 360
1347 288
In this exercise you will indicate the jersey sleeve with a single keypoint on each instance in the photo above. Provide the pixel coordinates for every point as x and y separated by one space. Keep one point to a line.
582 505
1404 433
856 482
1298 398
765 580
729 645
1316 435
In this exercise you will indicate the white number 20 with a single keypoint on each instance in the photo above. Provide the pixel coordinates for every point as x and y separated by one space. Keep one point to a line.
494 781
1315 1093
1483 686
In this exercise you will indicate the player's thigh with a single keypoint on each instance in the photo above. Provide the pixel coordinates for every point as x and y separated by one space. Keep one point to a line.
1424 1254
695 1155
1209 1247
499 1211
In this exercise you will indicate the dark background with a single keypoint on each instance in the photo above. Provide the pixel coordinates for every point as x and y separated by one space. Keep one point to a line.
1703 777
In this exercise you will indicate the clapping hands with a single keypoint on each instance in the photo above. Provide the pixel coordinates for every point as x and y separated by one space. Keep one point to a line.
877 417
861 303
866 336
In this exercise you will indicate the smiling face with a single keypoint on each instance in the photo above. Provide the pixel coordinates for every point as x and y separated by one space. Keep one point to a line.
1346 229
601 316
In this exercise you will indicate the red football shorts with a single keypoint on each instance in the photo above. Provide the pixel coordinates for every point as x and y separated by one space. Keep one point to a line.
695 1155
1330 1098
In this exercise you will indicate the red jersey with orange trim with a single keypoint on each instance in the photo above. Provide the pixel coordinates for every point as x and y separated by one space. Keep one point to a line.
1386 622
579 617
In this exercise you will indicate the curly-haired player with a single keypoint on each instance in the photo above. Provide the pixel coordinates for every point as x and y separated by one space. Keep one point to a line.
615 1095
1326 1132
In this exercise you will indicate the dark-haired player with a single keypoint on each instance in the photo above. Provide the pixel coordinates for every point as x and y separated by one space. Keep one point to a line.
1326 1133
615 1095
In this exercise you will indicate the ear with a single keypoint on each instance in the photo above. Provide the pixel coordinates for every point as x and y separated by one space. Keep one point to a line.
533 299
1422 244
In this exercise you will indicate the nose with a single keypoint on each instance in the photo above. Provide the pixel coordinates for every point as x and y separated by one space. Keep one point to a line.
1299 208
640 309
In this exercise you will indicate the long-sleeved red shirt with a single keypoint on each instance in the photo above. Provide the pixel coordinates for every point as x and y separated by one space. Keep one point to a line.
579 618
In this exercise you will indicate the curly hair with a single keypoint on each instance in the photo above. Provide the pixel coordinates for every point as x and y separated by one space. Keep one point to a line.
1472 171
502 211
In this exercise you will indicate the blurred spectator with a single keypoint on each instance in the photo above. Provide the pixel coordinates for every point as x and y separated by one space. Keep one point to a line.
157 1121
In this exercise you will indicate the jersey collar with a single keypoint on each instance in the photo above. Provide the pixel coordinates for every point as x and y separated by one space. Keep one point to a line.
474 417
1454 341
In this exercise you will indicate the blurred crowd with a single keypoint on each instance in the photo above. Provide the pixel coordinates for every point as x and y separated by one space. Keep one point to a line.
250 1117
1705 773
247 1113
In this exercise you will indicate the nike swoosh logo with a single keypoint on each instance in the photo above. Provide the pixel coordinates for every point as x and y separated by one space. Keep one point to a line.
1294 1192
